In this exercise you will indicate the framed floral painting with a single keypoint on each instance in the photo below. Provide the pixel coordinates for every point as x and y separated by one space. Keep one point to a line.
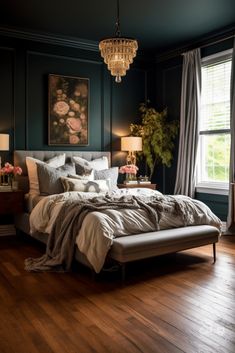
68 110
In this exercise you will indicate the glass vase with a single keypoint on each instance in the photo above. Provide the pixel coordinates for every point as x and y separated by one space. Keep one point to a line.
130 177
14 184
5 180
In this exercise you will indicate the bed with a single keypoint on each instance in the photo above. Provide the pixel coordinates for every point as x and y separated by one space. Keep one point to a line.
121 249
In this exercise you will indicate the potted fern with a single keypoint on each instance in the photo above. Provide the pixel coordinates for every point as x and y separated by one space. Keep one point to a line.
158 136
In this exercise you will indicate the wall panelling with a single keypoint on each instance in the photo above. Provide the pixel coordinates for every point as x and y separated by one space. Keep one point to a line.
25 63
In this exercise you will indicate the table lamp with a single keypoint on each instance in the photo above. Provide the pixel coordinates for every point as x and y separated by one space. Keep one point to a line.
131 144
4 144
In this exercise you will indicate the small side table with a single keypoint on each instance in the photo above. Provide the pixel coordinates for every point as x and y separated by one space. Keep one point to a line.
11 202
138 185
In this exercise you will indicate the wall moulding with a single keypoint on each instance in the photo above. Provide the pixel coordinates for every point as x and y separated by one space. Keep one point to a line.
49 38
145 57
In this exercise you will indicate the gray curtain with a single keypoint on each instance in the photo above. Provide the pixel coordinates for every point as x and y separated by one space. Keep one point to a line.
232 152
189 115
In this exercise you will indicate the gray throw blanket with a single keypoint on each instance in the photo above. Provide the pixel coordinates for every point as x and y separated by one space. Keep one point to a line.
61 241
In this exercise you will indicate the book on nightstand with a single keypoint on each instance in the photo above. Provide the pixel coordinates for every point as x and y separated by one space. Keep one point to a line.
5 188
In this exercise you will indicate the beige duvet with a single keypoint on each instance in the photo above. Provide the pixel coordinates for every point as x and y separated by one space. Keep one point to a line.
99 229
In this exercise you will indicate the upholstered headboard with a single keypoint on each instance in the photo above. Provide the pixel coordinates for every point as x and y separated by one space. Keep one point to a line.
20 157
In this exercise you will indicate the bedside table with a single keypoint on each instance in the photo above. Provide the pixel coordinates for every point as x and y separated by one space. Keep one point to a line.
11 202
142 185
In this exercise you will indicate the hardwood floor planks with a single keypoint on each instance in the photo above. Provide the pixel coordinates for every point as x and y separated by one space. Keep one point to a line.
173 304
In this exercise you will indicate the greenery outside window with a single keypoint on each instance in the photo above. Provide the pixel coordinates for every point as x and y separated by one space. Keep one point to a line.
214 124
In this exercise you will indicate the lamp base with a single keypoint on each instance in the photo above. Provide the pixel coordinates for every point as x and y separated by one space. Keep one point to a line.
131 158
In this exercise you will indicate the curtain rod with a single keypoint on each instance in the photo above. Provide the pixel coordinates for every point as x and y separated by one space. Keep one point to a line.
194 45
212 42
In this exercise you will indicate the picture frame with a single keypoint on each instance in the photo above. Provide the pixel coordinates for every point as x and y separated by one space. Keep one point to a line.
68 110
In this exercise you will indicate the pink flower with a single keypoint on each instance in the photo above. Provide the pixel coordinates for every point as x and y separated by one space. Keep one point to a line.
74 124
17 170
76 107
61 108
9 169
73 139
128 169
83 116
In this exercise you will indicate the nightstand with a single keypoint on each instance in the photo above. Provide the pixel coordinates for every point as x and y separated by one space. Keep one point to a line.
11 202
142 185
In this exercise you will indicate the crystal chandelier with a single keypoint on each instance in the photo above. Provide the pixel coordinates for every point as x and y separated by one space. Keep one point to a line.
118 52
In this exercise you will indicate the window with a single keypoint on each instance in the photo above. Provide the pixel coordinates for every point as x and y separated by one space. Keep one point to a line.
214 124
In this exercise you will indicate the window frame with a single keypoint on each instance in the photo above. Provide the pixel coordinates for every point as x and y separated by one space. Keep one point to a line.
212 187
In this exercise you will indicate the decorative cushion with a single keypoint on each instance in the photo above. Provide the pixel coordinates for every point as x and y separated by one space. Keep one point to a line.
70 184
108 174
100 163
83 177
83 166
49 178
31 163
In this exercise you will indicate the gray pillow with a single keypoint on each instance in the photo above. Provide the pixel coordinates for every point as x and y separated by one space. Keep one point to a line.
111 174
49 178
82 166
82 177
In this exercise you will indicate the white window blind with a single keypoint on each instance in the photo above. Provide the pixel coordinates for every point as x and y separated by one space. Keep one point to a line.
214 124
215 98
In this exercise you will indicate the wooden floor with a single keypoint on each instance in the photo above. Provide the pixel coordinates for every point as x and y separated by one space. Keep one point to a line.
175 303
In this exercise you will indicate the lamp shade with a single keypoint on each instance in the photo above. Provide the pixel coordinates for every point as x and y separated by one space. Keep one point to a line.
4 142
131 143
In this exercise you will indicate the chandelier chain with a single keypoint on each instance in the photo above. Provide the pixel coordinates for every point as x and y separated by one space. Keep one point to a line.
118 31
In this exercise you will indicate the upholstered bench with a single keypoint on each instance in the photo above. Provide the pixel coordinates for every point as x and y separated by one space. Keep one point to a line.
146 245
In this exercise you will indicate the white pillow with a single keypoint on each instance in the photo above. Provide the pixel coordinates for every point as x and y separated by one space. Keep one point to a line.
70 184
31 164
100 163
97 164
111 174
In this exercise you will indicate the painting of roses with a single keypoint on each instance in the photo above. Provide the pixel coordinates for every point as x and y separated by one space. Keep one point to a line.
68 110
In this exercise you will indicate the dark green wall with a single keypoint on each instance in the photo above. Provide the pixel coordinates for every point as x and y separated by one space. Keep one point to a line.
217 203
168 93
24 68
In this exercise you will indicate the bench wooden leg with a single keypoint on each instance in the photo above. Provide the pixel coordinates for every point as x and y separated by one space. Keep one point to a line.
123 271
214 252
93 275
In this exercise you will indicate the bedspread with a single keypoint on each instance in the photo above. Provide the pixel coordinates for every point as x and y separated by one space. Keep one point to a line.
98 229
